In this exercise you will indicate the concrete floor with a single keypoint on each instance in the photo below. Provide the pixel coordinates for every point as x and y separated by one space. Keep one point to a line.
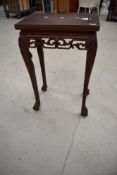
57 140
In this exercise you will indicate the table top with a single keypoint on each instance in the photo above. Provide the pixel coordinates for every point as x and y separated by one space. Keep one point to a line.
59 22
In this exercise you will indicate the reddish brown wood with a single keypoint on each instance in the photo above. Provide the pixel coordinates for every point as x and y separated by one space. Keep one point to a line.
42 64
91 53
27 57
51 31
63 6
73 5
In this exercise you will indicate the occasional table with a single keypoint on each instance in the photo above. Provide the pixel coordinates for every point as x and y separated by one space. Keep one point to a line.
58 31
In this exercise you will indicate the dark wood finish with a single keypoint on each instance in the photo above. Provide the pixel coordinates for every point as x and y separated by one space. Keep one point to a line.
50 31
42 64
27 57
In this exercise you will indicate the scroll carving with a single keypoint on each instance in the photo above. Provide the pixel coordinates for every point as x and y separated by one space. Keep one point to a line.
58 43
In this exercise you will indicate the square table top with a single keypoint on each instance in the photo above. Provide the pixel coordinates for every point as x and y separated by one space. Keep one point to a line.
59 22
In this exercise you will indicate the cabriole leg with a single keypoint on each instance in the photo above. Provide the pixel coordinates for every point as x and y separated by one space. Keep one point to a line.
42 64
27 57
91 53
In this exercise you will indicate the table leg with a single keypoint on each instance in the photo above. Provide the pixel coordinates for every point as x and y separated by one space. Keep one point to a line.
91 53
42 64
27 57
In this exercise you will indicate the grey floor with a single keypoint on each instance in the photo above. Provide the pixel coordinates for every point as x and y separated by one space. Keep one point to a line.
57 140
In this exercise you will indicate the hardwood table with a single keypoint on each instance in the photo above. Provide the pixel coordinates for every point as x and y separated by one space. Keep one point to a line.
51 31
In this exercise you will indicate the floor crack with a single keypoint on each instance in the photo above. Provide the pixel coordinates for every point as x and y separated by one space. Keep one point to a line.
70 147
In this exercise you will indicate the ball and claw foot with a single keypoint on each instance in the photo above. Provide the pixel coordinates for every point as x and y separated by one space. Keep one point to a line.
44 88
84 111
36 106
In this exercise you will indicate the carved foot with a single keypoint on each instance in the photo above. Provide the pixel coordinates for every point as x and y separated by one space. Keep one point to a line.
88 92
36 106
84 111
44 88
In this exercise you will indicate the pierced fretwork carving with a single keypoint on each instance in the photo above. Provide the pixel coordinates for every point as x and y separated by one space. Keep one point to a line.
58 43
